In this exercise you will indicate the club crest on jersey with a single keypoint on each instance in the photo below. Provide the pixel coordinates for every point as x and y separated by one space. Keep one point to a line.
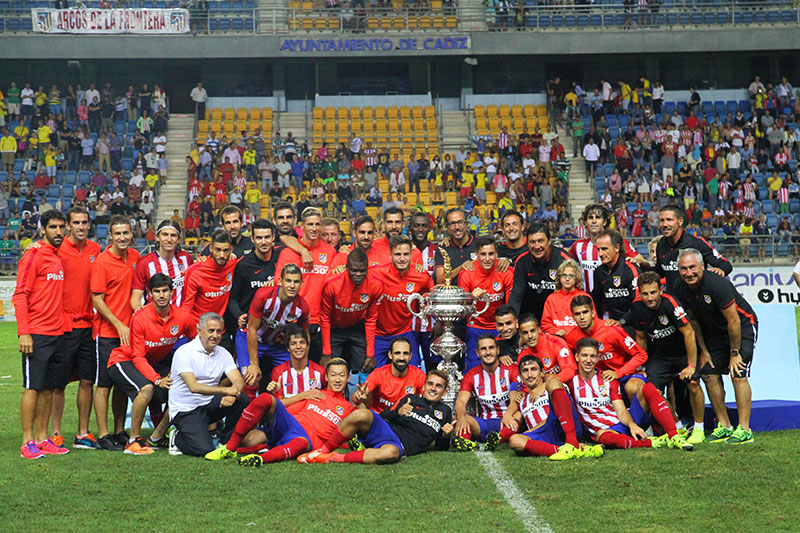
91 259
312 382
339 410
616 280
497 285
663 319
173 330
707 298
553 273
410 287
323 258
430 262
502 381
228 276
437 413
409 390
473 256
365 298
602 347
602 390
546 361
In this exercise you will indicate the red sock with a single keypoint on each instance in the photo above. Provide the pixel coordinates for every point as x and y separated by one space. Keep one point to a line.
559 401
250 418
246 450
623 442
537 447
251 392
466 434
336 439
659 408
505 434
351 457
290 450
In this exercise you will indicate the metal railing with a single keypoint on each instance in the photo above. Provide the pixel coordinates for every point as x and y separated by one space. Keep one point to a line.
368 20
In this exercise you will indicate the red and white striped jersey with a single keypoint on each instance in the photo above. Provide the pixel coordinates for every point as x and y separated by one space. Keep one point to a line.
783 195
240 183
370 156
585 252
293 382
749 211
535 410
428 256
593 401
749 191
275 315
491 390
153 264
580 231
723 189
502 140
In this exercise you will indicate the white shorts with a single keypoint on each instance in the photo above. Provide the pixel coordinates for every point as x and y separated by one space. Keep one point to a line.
13 109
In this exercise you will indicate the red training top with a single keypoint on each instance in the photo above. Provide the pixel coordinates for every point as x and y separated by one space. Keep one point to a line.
112 276
314 279
207 287
344 304
394 317
498 286
39 296
387 388
618 351
320 417
77 272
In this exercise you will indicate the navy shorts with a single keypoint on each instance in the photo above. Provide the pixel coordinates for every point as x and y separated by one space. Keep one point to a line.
639 415
382 344
624 380
551 431
37 366
80 349
283 429
104 347
381 433
471 359
487 425
721 353
277 354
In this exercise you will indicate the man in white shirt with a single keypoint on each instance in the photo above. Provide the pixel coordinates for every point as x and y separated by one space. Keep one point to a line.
92 93
26 96
160 142
199 96
284 171
591 153
206 387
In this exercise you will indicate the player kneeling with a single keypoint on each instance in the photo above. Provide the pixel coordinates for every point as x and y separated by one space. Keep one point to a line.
603 412
553 425
408 428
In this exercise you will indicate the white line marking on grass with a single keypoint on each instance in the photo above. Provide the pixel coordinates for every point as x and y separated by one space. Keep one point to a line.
526 512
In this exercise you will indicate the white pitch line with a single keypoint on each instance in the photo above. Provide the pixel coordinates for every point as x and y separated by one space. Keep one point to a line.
526 512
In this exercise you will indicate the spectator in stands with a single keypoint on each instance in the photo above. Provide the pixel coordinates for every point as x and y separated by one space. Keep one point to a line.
591 154
200 96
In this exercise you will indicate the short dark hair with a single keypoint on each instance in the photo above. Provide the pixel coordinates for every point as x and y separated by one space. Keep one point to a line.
291 268
455 210
420 214
440 374
116 220
170 223
511 213
77 210
530 359
363 219
646 278
282 206
537 227
231 210
399 339
528 317
600 209
336 361
264 224
674 208
221 236
581 300
505 309
486 336
485 240
587 342
357 255
393 210
293 330
52 214
616 238
159 280
399 240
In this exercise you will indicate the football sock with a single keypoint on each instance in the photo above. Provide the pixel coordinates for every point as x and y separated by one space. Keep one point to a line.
334 441
563 408
505 434
678 424
351 457
246 450
252 414
659 408
700 426
291 449
623 442
537 447
466 434
251 391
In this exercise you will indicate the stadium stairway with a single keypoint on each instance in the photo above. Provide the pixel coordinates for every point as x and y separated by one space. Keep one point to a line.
455 130
580 190
272 14
179 143
296 123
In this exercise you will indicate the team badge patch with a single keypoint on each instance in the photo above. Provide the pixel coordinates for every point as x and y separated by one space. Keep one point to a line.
707 298
323 258
430 262
602 347
553 273
546 361
663 319
473 256
229 276
616 280
365 298
497 285
312 382
339 410
91 259
409 390
410 287
437 413
173 330
602 390
502 381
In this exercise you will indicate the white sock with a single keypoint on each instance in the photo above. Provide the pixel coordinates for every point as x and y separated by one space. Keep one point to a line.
678 424
699 425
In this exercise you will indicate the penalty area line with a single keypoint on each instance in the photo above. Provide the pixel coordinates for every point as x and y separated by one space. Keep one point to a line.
526 512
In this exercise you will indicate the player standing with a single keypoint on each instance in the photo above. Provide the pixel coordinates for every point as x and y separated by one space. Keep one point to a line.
38 304
77 254
207 284
491 383
399 280
484 278
111 282
726 328
615 278
349 312
167 259
419 226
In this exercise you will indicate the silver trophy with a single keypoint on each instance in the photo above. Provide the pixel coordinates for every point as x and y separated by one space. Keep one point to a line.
448 303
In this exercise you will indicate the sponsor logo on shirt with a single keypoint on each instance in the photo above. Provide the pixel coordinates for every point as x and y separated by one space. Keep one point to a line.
56 277
617 293
222 291
326 413
161 342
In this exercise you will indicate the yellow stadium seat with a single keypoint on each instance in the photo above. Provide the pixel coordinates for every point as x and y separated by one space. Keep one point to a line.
491 111
518 123
252 125
529 111
436 5
405 112
386 23
380 114
425 23
412 22
368 114
516 111
317 113
541 111
543 122
264 202
481 124
451 199
216 114
321 23
399 23
406 124
438 22
491 197
241 113
330 113
373 23
494 125
505 111
227 129
229 114
266 127
417 112
480 111
392 113
355 114
333 23
372 211
451 22
267 113
202 127
341 113
216 125
425 186
241 125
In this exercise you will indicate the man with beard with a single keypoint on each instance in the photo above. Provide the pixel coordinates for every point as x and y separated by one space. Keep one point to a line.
388 384
513 227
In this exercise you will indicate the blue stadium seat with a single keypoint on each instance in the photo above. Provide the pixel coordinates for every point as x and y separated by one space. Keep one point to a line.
3 176
613 132
743 18
623 121
744 106
102 231
70 177
772 221
26 24
767 206
224 24
596 20
723 18
13 24
731 106
709 18
672 19
773 17
544 21
53 191
608 168
794 205
84 178
788 16
237 24
67 203
558 21
682 108
669 107
760 17
611 120
67 191
248 24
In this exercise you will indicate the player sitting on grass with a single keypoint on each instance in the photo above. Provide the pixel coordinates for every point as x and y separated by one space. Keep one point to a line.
408 428
289 432
602 408
553 424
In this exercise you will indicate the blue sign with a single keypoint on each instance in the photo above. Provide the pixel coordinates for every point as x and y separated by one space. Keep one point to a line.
375 45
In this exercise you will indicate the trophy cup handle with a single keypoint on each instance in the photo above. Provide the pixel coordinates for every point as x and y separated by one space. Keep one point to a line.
485 299
411 299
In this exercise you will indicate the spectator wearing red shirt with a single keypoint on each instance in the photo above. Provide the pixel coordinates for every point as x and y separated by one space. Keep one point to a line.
41 182
227 169
38 303
192 224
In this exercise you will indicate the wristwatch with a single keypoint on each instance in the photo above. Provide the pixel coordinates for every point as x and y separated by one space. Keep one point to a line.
734 352
158 382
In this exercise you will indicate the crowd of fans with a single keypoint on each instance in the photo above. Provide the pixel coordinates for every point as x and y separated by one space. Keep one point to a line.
103 149
731 165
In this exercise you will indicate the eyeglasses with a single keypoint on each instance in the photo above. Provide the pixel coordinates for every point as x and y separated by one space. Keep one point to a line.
456 222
